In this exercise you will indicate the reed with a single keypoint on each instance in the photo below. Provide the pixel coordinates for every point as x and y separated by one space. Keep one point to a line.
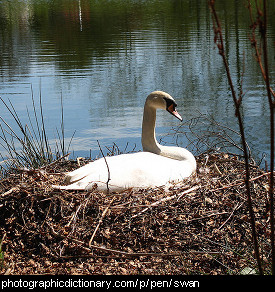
1 252
28 145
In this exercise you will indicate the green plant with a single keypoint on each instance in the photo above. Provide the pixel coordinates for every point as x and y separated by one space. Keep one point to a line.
1 253
28 145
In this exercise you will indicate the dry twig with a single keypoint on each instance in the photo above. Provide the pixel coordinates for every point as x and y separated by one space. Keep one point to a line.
237 102
100 220
183 233
167 199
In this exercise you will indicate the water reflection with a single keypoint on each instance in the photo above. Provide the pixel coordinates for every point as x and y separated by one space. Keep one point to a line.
105 57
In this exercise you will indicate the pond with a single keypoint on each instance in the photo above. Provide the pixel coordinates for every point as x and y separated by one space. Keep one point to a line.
100 60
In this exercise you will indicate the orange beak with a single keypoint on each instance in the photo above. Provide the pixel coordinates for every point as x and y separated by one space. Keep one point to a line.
171 109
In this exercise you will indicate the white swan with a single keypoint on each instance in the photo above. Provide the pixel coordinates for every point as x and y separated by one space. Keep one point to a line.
156 166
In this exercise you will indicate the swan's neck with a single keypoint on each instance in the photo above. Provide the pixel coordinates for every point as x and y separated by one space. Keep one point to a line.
148 138
150 144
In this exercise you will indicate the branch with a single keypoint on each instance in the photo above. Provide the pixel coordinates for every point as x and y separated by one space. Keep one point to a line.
271 107
125 253
167 199
254 42
261 22
100 221
237 102
109 178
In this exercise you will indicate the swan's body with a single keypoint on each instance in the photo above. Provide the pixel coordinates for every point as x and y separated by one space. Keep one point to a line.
156 166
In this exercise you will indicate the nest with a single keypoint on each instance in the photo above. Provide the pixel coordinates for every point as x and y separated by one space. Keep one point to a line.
198 226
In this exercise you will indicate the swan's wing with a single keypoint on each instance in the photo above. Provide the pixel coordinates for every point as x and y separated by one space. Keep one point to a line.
136 170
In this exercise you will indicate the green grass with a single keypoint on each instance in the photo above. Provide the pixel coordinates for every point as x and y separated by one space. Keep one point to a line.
1 254
27 145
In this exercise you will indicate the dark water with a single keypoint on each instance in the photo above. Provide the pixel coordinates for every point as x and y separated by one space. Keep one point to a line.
104 57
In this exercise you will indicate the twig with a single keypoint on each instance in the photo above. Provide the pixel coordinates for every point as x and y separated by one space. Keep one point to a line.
13 189
204 217
237 102
137 254
240 183
100 221
166 199
261 22
254 42
107 183
271 107
125 253
74 216
229 217
56 161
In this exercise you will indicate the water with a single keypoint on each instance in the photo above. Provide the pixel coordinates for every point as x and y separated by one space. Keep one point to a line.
104 57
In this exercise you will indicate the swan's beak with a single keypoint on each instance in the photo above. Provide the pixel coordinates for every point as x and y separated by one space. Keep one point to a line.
172 110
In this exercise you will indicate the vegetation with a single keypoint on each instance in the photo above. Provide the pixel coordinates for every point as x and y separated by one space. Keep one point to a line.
28 145
261 22
203 225
198 226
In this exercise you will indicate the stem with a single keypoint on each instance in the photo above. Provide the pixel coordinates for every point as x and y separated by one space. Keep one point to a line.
109 178
271 107
237 103
254 42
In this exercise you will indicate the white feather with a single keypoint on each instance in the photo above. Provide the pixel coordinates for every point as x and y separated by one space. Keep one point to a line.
156 166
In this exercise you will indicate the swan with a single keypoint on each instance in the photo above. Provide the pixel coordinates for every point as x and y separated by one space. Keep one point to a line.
156 166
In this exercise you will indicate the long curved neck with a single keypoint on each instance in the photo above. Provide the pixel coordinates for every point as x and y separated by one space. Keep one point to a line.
150 144
148 138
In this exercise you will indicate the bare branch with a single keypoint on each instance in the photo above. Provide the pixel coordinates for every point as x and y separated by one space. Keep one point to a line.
218 39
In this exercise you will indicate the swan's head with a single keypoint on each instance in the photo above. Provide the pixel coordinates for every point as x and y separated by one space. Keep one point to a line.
163 100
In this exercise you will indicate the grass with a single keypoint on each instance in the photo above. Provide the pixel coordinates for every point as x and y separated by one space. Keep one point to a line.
1 254
28 146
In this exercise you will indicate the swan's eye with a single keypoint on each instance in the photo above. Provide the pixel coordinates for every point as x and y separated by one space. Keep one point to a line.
171 108
170 105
